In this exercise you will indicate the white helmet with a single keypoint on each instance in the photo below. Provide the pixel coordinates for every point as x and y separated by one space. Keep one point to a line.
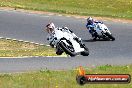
50 27
90 19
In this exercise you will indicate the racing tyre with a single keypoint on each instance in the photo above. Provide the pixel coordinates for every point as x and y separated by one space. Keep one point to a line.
110 36
86 52
66 49
59 52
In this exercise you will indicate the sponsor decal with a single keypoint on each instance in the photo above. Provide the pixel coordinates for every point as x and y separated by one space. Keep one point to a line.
83 78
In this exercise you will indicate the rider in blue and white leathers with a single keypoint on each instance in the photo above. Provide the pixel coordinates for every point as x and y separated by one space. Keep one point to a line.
91 24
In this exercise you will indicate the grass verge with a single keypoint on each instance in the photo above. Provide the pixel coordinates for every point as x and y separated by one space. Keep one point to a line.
10 48
61 79
107 8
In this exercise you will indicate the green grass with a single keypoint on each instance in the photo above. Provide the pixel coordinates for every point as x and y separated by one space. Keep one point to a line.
107 8
61 79
10 48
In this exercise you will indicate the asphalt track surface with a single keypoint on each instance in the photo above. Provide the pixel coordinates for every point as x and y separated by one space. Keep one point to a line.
29 27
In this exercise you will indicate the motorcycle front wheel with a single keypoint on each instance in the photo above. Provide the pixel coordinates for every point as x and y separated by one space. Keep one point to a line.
67 49
110 36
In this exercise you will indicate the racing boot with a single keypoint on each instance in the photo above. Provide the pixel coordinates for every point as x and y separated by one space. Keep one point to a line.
94 35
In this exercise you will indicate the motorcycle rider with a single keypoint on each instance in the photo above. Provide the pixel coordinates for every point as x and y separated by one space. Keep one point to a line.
50 28
91 24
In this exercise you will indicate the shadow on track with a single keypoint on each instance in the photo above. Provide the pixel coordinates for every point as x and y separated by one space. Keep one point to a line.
91 40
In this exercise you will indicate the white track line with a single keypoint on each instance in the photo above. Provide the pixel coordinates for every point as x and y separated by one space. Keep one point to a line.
59 15
32 43
20 40
34 56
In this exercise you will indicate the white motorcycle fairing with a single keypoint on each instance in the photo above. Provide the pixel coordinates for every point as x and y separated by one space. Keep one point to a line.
101 28
58 35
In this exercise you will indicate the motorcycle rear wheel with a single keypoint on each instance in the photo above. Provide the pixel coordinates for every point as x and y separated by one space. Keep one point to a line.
86 52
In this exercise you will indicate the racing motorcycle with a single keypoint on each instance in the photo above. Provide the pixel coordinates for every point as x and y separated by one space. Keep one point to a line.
102 32
65 42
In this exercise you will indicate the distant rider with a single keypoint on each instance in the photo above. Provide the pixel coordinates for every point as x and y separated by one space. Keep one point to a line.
91 24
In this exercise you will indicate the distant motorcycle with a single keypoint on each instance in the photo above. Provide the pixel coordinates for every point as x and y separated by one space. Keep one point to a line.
64 42
102 32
